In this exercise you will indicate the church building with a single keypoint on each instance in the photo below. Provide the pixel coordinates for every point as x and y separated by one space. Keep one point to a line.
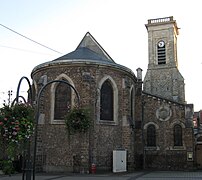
147 119
167 121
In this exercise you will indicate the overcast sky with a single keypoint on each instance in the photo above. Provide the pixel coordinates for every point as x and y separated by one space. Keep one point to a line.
118 26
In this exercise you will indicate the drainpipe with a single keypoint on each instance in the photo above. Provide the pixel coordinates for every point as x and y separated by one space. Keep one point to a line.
139 80
143 137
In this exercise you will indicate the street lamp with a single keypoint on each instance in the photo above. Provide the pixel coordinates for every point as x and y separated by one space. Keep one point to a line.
37 116
26 167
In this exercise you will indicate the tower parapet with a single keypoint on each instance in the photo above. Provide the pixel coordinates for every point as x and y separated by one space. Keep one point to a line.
164 20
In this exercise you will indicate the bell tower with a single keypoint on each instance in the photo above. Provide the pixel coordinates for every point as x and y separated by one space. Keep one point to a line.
163 77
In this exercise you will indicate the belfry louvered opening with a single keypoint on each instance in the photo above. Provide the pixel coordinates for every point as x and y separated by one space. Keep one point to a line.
161 52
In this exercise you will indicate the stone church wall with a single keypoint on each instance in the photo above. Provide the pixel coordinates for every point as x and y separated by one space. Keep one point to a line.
164 115
58 151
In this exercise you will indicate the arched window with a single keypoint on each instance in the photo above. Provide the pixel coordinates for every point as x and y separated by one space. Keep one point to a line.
62 100
177 135
151 135
106 101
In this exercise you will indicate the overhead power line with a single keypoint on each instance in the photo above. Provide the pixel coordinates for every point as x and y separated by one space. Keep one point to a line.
25 50
29 39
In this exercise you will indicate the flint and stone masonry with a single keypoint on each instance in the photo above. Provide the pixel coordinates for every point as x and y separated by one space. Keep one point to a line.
149 119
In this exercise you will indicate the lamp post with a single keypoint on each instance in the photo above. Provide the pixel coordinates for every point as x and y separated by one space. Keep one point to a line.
37 116
27 164
18 89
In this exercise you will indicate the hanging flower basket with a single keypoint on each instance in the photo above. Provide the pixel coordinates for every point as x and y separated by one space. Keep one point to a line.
16 123
78 120
16 128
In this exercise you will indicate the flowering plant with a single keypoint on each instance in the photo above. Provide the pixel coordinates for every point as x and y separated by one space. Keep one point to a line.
16 127
16 123
78 120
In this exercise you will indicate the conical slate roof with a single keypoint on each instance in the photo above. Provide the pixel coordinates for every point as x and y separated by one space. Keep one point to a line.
88 49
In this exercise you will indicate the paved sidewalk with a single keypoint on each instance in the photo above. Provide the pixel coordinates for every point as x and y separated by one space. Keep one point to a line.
171 175
154 175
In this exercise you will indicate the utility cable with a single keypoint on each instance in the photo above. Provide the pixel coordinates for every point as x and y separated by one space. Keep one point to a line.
25 50
29 39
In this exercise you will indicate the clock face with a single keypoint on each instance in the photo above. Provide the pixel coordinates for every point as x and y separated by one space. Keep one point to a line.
161 43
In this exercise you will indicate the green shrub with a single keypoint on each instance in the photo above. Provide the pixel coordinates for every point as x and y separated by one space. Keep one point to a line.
7 167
